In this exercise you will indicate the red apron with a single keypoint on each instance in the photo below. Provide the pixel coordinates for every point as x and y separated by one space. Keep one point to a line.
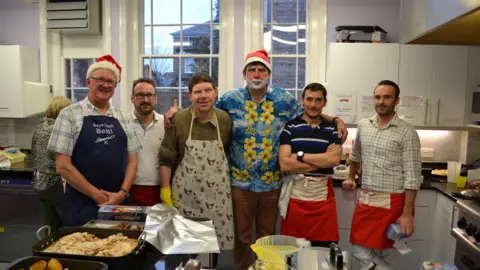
312 220
145 195
373 215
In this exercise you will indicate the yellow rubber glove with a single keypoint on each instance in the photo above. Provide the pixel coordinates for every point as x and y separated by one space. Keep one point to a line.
166 196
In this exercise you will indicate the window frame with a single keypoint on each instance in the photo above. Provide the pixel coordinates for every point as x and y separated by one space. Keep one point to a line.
71 78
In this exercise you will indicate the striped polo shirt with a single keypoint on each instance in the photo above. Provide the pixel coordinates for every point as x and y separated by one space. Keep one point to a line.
311 140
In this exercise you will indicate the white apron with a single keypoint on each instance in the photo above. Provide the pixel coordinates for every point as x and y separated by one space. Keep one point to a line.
201 186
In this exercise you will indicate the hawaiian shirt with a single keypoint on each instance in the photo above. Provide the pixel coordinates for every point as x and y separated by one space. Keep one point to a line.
256 133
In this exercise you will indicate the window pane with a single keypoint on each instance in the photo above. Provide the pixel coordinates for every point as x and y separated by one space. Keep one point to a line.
68 73
80 94
284 11
284 72
165 71
196 39
166 39
80 67
214 71
147 12
147 68
165 99
192 66
185 100
302 11
166 12
284 39
301 73
301 39
216 11
68 93
147 36
197 11
216 39
267 11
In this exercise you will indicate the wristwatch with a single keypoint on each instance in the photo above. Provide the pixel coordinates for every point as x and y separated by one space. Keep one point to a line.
127 195
300 156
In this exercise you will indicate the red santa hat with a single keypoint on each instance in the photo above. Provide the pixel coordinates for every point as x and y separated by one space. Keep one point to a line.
258 56
106 62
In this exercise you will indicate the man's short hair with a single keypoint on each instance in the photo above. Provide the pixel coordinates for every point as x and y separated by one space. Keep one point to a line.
389 83
143 80
200 77
315 87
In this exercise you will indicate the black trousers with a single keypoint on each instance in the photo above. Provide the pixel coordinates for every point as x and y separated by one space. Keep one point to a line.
52 204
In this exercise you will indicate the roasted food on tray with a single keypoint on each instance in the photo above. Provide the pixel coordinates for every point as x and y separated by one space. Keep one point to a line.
82 243
52 264
126 226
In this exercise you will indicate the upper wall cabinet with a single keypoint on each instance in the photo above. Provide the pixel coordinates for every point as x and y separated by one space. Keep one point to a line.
357 68
21 93
436 75
417 17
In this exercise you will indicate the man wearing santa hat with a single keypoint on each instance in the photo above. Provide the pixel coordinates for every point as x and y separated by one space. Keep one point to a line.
96 148
259 112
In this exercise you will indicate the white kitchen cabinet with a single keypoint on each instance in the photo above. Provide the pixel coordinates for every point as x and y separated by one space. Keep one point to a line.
416 78
443 245
358 67
450 85
21 93
418 17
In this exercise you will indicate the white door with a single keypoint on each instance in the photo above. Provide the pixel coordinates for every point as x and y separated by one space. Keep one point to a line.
450 85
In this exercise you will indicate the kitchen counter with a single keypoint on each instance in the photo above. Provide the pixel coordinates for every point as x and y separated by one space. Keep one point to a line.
26 166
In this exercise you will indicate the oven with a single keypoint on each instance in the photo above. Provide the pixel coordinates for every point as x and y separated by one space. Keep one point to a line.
467 234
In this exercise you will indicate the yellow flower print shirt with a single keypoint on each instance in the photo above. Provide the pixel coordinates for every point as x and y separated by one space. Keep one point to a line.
256 136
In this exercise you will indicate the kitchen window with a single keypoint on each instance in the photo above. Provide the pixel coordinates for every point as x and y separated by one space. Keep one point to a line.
75 78
180 38
285 34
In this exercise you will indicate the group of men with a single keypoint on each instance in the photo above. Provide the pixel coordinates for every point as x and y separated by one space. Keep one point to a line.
238 158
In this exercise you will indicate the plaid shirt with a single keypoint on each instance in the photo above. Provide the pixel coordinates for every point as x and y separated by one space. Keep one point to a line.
390 156
69 124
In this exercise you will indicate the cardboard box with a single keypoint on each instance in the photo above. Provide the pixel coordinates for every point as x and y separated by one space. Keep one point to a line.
123 212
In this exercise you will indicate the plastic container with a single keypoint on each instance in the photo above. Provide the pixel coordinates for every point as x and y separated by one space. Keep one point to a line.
394 232
461 181
14 155
273 250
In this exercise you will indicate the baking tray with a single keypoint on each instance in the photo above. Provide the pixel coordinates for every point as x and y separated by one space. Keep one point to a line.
143 256
108 224
26 262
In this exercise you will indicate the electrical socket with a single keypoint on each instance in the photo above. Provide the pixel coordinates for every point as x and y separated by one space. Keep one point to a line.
427 152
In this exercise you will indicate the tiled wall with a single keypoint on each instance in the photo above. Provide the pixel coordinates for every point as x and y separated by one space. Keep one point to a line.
24 128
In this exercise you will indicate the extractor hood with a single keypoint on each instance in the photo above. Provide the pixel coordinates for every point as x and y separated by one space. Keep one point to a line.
464 30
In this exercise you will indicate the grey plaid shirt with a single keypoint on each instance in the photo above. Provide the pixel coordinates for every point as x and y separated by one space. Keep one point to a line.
69 124
390 156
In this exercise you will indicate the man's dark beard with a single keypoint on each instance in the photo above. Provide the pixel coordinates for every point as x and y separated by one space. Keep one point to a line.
145 112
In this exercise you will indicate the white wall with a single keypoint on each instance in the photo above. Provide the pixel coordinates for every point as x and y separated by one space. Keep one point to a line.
19 23
384 13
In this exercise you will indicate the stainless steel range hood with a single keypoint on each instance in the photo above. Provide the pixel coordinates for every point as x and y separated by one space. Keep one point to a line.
464 30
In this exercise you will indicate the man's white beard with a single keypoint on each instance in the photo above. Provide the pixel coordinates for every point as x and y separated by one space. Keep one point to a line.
257 84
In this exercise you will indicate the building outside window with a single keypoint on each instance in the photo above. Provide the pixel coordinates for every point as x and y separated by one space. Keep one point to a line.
285 39
180 38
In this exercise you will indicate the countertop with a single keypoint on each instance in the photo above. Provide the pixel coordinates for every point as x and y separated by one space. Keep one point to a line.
26 166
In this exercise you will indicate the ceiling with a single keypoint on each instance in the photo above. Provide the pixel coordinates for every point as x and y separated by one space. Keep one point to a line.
464 30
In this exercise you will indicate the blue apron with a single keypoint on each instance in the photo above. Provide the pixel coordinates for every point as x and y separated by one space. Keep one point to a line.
100 155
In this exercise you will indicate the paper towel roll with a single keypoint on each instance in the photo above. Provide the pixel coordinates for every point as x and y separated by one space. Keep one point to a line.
454 168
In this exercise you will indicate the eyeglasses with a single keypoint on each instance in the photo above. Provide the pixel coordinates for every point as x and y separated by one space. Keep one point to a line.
141 96
104 81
